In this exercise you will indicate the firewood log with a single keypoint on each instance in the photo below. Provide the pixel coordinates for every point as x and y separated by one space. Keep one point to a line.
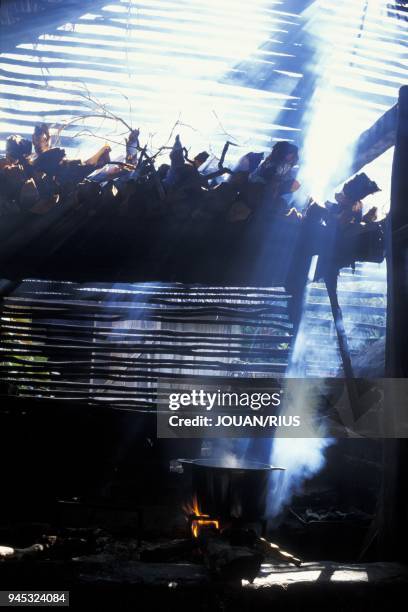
16 554
272 550
100 158
29 194
6 551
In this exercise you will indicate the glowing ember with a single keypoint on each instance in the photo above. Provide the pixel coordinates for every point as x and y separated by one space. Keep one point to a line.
197 518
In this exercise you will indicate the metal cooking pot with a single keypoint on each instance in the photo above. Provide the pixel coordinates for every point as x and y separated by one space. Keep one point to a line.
238 492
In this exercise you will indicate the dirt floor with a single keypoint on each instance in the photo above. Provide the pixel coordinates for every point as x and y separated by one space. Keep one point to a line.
128 585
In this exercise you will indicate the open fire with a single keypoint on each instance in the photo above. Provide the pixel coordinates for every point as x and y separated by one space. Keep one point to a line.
197 519
235 552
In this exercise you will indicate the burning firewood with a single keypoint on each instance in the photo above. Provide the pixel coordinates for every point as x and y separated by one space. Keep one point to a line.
273 550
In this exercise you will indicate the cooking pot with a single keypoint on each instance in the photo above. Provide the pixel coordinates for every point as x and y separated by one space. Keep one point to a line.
237 492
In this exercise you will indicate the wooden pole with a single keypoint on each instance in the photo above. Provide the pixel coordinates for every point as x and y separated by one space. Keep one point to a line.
392 516
331 286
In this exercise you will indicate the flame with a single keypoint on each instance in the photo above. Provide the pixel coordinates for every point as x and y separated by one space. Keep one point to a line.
197 518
